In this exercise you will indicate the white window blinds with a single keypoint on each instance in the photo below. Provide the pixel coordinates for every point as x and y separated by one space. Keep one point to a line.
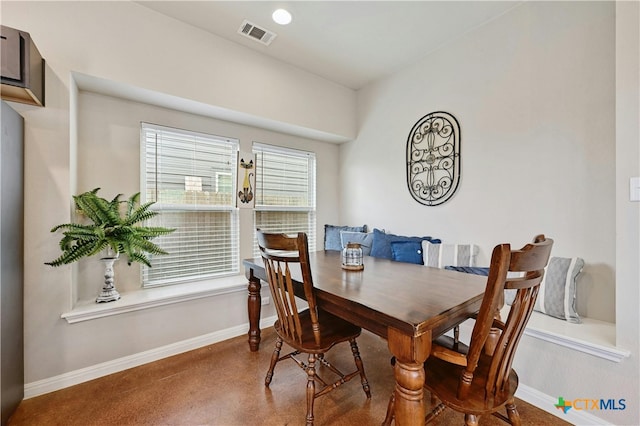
191 177
285 191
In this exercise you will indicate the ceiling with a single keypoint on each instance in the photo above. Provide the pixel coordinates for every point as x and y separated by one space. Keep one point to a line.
351 43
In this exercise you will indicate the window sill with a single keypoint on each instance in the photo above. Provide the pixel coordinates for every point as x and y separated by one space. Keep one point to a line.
593 337
153 297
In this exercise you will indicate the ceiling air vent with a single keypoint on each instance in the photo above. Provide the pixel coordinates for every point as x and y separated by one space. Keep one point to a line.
254 32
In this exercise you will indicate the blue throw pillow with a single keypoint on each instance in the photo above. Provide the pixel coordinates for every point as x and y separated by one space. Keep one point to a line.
332 235
382 243
365 239
407 251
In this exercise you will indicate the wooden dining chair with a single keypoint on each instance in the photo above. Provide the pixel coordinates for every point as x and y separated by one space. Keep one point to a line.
478 379
311 331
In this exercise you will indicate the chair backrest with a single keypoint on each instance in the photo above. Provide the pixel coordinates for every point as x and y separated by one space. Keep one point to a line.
285 258
521 270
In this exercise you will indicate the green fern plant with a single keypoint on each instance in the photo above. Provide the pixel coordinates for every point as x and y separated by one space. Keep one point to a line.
113 227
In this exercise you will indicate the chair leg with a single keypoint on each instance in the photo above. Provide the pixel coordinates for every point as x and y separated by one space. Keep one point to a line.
390 410
439 409
433 400
470 420
512 412
311 388
360 365
274 360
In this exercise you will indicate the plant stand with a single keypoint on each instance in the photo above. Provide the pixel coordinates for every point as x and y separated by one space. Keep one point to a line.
109 292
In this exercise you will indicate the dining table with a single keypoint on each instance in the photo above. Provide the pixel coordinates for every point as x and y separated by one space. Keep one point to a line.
407 304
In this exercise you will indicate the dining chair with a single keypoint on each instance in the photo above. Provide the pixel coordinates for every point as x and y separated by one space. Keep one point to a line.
310 331
478 379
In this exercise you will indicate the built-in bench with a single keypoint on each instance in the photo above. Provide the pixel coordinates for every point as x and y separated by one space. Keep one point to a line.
592 336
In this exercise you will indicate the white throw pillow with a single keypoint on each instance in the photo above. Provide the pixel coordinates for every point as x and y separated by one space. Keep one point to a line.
441 255
557 295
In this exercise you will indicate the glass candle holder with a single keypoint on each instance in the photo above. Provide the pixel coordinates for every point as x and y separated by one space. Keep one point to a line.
352 257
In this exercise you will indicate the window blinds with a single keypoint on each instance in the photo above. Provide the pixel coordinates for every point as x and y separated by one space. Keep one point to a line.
285 191
191 177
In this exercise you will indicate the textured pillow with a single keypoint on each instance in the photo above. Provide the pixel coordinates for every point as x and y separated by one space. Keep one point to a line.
332 235
407 251
382 243
365 239
441 255
557 295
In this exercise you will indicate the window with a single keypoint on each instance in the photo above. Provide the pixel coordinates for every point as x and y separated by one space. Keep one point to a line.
285 192
189 176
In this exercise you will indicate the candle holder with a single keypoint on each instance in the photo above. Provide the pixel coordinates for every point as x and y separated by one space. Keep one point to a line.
352 257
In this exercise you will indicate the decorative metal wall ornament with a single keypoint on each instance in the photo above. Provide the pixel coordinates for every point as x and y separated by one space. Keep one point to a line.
246 179
433 158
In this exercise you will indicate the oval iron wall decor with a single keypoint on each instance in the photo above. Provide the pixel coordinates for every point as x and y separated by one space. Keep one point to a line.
433 158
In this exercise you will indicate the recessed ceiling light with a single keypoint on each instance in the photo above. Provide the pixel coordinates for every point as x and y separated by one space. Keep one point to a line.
281 17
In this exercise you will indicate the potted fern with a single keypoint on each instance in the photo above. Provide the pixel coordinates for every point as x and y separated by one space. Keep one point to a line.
111 229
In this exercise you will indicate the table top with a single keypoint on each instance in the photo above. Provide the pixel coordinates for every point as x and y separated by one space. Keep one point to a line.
412 298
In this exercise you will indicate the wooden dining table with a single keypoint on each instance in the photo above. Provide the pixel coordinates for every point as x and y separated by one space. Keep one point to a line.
409 305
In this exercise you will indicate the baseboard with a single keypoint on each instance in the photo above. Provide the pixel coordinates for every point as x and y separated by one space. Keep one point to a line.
547 403
71 378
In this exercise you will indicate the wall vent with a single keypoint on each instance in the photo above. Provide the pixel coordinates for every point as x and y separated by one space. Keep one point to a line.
256 33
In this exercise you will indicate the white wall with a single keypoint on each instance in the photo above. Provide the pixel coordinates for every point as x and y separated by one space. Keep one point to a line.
535 94
536 110
627 165
125 43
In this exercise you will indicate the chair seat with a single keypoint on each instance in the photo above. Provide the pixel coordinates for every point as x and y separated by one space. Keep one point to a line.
332 330
442 379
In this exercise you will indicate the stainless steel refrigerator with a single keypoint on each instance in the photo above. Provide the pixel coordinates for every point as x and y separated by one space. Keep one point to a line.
11 260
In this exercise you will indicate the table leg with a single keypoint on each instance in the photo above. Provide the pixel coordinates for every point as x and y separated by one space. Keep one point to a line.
410 353
254 306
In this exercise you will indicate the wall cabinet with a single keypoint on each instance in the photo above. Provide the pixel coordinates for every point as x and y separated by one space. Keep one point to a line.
22 68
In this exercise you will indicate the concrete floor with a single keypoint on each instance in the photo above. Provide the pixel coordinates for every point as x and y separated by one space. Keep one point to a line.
223 384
